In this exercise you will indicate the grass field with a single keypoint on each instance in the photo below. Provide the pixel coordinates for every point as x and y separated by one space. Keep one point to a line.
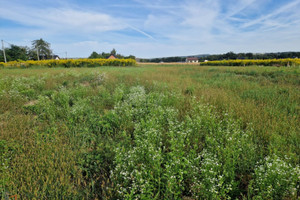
150 132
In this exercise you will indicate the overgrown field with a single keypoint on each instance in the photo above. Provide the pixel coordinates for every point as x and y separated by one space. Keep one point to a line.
150 132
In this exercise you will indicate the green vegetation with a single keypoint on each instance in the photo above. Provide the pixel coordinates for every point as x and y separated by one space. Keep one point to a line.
250 56
113 52
227 56
69 63
150 132
40 50
268 62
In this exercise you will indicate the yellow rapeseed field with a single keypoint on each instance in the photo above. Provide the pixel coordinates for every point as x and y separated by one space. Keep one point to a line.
267 62
70 63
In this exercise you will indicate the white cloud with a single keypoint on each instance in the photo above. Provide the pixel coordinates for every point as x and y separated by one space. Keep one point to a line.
200 14
159 27
62 19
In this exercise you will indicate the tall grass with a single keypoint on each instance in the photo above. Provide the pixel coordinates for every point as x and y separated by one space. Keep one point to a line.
153 132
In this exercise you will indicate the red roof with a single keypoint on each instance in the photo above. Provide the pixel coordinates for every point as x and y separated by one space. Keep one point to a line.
192 58
111 57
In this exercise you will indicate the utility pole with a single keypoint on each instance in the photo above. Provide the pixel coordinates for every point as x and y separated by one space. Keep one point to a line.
3 51
37 53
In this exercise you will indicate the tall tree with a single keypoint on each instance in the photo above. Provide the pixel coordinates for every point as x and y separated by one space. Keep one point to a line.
15 52
94 55
42 48
113 52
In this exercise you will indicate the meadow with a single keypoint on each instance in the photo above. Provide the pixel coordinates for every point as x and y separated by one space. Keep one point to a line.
150 132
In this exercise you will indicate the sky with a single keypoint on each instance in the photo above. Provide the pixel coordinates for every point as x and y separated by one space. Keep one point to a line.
153 28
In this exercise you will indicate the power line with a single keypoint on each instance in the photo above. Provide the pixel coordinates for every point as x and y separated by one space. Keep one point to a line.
7 42
37 50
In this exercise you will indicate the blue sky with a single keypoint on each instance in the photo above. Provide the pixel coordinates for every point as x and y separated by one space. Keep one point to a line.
153 28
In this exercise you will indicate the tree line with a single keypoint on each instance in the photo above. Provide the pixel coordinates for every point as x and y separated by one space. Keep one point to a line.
257 56
165 59
227 56
40 50
113 52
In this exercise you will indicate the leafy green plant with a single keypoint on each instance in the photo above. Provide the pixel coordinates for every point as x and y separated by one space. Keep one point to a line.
274 178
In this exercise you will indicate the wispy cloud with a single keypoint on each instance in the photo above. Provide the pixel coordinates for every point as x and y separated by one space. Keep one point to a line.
62 18
266 18
200 14
142 32
67 20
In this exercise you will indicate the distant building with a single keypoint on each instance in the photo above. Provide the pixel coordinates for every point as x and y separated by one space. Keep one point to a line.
111 57
192 60
56 57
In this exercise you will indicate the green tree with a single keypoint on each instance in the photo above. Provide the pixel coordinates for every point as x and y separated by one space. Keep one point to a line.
42 48
32 54
1 56
131 56
113 52
16 53
249 55
94 55
230 55
105 55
